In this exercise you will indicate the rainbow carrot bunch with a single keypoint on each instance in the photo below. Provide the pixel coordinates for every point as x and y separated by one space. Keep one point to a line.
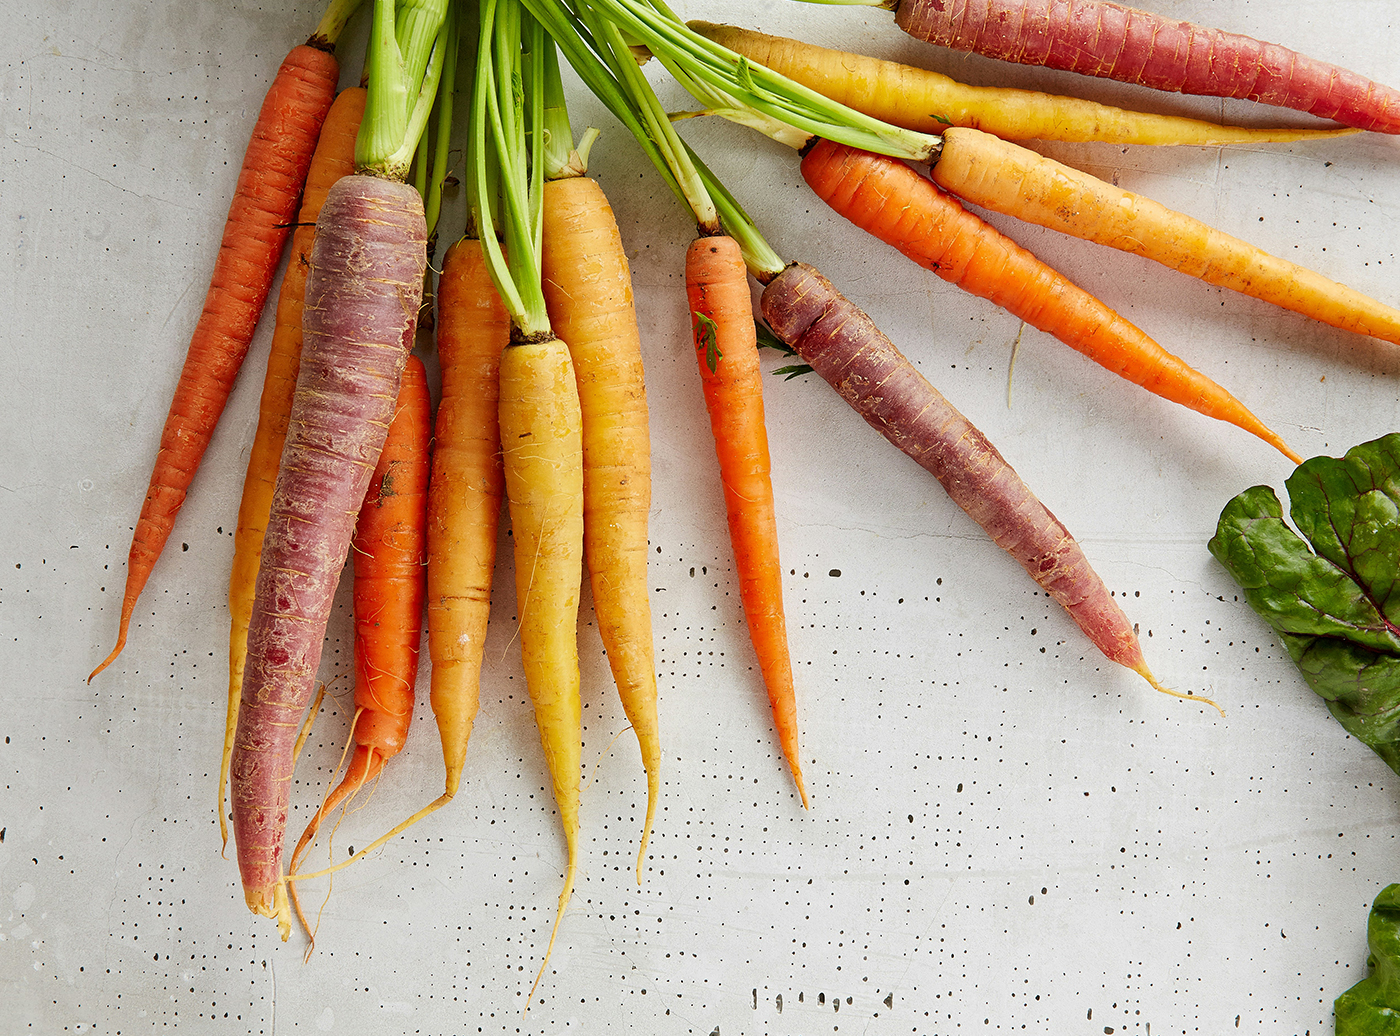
960 246
843 345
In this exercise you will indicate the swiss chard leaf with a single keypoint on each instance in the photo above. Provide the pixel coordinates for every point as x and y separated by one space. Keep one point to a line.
1372 1006
1334 596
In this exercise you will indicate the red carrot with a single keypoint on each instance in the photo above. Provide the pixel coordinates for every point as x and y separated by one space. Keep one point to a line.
334 158
844 346
361 311
260 219
1108 40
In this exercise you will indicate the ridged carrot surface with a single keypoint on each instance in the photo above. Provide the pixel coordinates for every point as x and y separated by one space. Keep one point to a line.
1108 40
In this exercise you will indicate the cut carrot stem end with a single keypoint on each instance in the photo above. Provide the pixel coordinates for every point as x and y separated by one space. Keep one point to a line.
1146 674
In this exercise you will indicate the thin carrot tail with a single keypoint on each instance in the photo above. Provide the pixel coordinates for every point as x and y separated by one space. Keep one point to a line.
365 765
570 871
653 793
1146 674
128 606
398 829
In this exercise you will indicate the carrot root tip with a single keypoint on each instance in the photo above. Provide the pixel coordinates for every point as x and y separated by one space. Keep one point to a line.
1146 674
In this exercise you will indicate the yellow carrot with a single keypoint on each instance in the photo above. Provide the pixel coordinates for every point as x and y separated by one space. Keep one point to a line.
542 446
588 289
1007 178
919 99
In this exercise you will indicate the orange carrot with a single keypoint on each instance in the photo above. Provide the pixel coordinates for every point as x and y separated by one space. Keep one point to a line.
260 218
727 349
905 209
334 158
588 289
465 494
389 553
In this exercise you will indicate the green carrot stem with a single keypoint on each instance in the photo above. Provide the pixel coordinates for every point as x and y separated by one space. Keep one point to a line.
402 79
500 106
753 86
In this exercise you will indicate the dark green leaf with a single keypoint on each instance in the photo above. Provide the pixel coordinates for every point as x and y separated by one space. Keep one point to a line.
708 330
1372 1006
1333 597
795 370
768 340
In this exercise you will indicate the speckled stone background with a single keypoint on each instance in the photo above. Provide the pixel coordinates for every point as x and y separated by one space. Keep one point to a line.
1007 833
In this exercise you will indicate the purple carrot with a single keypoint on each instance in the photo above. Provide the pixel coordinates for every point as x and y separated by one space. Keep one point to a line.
362 298
1095 38
843 345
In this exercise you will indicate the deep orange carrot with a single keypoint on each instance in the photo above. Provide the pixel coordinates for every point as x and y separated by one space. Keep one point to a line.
334 158
727 350
389 552
260 218
905 209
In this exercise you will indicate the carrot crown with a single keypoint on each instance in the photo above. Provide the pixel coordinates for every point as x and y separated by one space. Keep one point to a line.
603 60
738 89
332 23
403 68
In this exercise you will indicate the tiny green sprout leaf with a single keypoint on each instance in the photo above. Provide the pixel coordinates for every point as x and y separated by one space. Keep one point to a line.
795 370
768 340
1332 594
1372 1006
943 119
706 329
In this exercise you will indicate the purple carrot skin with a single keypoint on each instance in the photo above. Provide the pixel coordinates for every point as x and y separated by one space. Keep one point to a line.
362 299
843 345
1110 41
